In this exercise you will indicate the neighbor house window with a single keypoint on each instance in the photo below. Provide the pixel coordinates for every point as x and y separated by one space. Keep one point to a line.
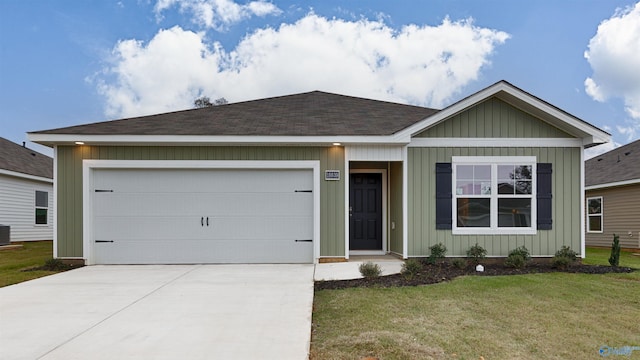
494 195
594 214
42 207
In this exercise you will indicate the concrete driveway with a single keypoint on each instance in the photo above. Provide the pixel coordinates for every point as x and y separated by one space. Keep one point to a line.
160 312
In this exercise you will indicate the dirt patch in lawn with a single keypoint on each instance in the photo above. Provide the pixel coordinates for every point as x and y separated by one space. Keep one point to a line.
437 273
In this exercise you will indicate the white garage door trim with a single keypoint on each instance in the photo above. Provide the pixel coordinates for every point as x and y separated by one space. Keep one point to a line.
87 184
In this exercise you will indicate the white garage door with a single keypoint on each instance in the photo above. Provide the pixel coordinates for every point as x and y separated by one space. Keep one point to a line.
179 216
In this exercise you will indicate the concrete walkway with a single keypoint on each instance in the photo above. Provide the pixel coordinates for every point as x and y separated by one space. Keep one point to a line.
160 312
351 269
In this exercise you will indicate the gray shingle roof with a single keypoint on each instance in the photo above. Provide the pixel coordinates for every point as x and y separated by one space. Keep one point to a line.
308 114
14 157
619 164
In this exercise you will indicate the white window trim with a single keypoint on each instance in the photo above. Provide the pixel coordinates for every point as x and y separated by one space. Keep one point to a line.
36 207
601 215
494 229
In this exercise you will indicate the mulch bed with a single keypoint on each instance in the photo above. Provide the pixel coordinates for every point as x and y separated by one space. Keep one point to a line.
437 273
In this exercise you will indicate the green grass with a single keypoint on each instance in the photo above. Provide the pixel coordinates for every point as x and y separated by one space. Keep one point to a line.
599 256
31 254
536 316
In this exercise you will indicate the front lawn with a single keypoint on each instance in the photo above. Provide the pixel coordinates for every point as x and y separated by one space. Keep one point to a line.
535 316
30 255
600 256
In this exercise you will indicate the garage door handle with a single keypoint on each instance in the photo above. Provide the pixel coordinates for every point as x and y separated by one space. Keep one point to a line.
305 191
104 241
202 221
306 240
207 221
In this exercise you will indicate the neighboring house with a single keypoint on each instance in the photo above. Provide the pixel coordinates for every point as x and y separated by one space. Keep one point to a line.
317 177
613 197
26 192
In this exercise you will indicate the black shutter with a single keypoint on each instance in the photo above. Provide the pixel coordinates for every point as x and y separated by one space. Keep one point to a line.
543 196
443 196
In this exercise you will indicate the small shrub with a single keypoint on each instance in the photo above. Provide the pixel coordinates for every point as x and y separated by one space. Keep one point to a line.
459 263
55 265
515 261
438 252
411 268
567 252
369 270
476 253
518 257
561 262
563 258
614 259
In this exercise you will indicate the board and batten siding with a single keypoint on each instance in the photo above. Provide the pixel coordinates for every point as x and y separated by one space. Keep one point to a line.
69 162
566 205
17 208
493 118
620 216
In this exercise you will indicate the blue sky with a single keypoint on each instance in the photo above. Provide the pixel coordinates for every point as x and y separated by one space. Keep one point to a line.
71 62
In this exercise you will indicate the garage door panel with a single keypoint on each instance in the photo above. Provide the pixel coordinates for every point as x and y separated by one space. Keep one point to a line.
199 204
190 251
263 228
159 216
235 180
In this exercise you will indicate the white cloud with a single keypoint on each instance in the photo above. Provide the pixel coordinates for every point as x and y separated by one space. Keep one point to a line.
218 14
425 65
614 56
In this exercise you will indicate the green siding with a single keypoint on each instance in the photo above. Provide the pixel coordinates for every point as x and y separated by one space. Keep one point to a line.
493 118
395 207
565 211
69 183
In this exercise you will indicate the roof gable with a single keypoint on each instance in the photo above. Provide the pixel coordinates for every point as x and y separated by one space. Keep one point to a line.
493 118
617 165
19 159
523 101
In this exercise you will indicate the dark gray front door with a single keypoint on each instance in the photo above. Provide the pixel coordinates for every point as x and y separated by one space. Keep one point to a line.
365 212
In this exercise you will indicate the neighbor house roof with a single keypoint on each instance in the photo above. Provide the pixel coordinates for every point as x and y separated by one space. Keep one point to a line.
16 160
617 167
308 114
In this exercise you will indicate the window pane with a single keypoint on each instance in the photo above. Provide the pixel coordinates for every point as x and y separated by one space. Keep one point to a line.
42 199
474 212
595 206
514 212
464 172
482 172
505 172
595 223
505 187
464 187
523 187
522 172
41 216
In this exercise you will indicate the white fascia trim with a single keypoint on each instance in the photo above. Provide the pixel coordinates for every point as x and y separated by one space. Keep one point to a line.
493 159
496 142
55 202
87 184
346 201
405 205
596 135
67 139
582 207
25 176
613 184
